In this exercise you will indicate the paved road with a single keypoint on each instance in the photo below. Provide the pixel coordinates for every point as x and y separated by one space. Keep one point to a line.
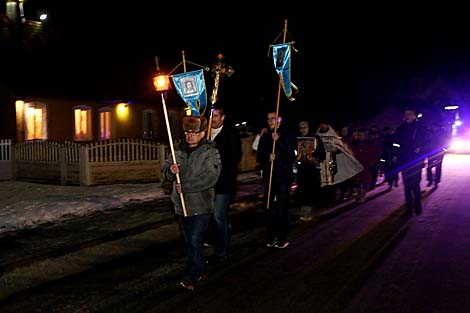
429 270
353 258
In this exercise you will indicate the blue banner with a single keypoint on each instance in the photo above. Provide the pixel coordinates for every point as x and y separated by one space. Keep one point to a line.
192 89
282 58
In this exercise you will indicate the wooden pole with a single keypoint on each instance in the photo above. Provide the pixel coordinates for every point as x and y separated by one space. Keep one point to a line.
170 138
276 122
209 126
184 61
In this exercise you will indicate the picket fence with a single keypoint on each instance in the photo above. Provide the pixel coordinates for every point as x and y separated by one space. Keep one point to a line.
113 161
5 159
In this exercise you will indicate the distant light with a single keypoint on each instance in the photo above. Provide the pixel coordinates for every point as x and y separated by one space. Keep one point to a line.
243 123
420 115
396 145
238 124
459 145
451 107
458 123
43 16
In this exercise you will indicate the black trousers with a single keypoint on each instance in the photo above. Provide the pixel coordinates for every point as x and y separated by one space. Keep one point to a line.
277 215
411 181
437 165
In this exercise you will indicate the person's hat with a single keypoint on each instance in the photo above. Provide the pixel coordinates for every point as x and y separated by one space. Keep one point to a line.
194 123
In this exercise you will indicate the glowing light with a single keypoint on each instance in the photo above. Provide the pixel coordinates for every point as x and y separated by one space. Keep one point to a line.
161 82
451 107
43 17
122 111
460 145
458 123
122 107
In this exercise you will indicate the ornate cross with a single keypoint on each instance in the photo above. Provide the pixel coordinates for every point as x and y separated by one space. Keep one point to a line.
218 71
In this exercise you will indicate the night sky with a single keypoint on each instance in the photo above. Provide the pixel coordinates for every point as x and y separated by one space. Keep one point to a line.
351 61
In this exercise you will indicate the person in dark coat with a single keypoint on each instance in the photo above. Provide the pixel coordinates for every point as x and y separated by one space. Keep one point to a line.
198 165
410 137
310 153
365 153
228 143
438 142
282 177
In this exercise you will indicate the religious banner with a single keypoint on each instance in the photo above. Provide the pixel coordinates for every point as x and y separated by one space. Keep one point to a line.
305 148
282 64
191 88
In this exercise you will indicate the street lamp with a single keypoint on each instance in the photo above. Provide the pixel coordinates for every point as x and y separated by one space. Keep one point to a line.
161 82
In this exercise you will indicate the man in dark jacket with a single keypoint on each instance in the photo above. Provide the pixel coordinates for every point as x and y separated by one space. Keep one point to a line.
198 164
436 151
229 145
281 179
410 139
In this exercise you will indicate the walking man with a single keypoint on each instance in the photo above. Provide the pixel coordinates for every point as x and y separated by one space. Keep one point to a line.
281 180
410 139
228 143
199 166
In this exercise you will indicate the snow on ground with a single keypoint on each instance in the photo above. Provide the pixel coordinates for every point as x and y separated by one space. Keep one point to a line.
25 204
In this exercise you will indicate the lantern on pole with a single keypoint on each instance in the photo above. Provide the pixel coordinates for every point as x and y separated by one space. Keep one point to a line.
161 83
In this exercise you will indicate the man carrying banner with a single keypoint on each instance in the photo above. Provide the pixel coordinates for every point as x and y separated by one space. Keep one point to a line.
199 166
282 177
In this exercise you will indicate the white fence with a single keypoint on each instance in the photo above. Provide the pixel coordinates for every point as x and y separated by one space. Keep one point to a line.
5 159
97 163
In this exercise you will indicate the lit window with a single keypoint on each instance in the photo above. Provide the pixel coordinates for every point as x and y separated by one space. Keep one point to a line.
82 118
35 121
105 124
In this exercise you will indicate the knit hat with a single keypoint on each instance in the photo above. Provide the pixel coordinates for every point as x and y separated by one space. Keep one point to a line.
194 123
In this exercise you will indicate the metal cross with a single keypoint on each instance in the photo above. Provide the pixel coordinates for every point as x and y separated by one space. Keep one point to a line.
218 70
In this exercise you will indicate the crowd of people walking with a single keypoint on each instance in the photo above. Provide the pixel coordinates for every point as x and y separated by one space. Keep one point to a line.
324 165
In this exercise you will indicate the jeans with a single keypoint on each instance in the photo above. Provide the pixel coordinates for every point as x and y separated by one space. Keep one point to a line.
221 239
194 229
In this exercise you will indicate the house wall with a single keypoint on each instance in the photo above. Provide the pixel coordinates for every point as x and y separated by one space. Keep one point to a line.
60 119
